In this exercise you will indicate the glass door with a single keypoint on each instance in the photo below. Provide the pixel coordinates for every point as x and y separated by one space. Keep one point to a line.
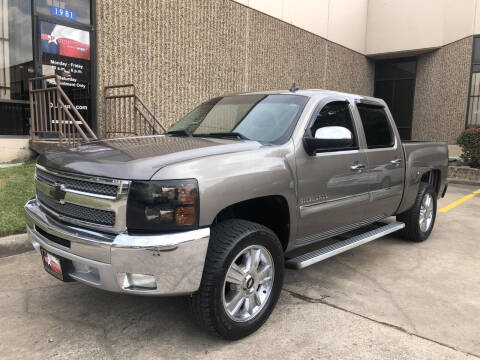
64 46
395 83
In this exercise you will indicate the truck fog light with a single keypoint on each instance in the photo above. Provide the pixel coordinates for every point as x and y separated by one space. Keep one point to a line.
143 281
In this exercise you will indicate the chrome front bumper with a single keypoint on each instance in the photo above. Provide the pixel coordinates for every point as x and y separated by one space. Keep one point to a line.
107 261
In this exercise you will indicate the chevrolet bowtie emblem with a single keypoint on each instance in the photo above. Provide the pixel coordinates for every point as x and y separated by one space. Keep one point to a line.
58 192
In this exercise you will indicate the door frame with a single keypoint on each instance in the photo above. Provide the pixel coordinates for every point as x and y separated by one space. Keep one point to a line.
37 18
414 78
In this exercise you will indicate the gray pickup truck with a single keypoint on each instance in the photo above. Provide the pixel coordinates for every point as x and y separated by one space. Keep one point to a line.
238 189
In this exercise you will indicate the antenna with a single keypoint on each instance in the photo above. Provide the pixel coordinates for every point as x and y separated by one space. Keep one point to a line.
293 88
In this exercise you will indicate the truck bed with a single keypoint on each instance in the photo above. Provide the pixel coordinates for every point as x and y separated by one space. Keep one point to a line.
421 157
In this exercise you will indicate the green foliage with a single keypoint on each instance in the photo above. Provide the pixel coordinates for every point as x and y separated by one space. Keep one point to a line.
16 187
469 140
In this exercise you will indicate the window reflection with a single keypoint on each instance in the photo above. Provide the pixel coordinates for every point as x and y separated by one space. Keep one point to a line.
16 65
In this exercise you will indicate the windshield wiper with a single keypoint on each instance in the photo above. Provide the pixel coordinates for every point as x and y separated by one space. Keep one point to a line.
179 133
225 135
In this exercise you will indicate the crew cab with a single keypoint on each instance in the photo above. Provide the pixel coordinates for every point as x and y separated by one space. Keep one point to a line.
238 189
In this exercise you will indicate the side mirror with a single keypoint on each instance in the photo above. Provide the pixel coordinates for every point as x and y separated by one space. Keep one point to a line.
328 138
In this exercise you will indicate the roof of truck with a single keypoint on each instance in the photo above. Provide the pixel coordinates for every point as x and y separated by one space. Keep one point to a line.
313 93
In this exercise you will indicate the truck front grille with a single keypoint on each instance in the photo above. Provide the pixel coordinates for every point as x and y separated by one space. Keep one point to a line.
79 185
91 202
91 215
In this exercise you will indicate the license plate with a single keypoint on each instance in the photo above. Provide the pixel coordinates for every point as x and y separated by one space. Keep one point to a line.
52 264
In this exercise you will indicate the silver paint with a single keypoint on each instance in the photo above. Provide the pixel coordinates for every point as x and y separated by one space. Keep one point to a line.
352 187
175 260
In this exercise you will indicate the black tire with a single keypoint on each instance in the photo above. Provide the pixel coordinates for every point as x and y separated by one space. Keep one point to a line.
411 217
227 240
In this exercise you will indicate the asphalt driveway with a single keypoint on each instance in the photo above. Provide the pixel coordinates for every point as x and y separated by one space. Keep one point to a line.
389 299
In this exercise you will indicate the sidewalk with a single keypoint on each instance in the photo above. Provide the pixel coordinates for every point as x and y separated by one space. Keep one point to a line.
14 244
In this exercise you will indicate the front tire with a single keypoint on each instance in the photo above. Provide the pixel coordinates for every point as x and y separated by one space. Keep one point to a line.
242 279
420 218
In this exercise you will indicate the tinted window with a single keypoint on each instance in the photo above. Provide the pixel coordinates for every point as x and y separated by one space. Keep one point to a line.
476 49
335 113
266 118
376 126
16 66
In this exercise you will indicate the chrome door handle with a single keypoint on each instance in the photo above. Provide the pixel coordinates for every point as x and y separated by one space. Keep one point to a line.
356 167
396 161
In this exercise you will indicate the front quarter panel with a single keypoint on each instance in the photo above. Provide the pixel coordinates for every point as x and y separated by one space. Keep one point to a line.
227 179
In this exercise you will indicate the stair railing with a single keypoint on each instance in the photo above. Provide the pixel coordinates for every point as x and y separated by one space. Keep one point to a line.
125 114
53 115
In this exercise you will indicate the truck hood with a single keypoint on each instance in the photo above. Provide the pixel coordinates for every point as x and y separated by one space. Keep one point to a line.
138 158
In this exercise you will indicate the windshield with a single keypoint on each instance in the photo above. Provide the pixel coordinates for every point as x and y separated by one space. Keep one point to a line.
265 118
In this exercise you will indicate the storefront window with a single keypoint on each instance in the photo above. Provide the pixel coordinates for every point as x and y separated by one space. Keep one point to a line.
65 51
74 10
473 115
16 65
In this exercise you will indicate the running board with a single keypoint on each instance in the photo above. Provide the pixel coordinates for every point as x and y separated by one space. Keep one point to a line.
313 257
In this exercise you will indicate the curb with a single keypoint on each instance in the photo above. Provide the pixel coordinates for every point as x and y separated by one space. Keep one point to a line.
463 182
4 166
14 244
463 175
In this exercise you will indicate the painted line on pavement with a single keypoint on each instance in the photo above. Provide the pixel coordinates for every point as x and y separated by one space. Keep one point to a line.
459 201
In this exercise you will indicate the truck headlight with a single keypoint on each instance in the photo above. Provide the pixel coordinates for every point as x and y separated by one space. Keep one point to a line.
157 206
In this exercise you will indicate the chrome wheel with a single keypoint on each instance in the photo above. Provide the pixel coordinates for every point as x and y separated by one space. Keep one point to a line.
426 213
248 283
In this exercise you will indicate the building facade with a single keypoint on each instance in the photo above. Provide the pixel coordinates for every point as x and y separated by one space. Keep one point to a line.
422 57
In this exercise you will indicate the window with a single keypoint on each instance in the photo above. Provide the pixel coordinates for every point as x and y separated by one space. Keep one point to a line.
473 115
395 83
335 114
260 117
16 65
376 126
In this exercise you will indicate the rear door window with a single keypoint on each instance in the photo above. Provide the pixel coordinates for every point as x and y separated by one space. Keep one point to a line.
376 126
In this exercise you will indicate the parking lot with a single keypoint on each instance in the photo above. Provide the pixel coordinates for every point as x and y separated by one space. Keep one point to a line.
387 299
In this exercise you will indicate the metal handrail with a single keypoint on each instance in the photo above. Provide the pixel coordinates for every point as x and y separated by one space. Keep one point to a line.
51 116
125 113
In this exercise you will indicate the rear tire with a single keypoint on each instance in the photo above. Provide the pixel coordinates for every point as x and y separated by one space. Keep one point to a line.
420 218
236 305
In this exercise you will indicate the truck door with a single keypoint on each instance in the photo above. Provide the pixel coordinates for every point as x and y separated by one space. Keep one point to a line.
385 158
332 182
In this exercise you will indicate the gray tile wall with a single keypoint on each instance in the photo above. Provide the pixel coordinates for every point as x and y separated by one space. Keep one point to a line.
441 92
179 53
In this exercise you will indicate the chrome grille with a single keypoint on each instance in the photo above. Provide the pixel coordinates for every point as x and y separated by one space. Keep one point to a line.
83 213
87 201
79 185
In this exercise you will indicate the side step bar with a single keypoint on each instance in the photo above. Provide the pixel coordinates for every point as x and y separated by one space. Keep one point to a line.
313 257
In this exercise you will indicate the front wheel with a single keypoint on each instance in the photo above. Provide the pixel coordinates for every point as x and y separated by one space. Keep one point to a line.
242 279
420 218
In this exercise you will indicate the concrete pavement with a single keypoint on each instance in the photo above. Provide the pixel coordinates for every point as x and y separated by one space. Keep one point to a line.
389 299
